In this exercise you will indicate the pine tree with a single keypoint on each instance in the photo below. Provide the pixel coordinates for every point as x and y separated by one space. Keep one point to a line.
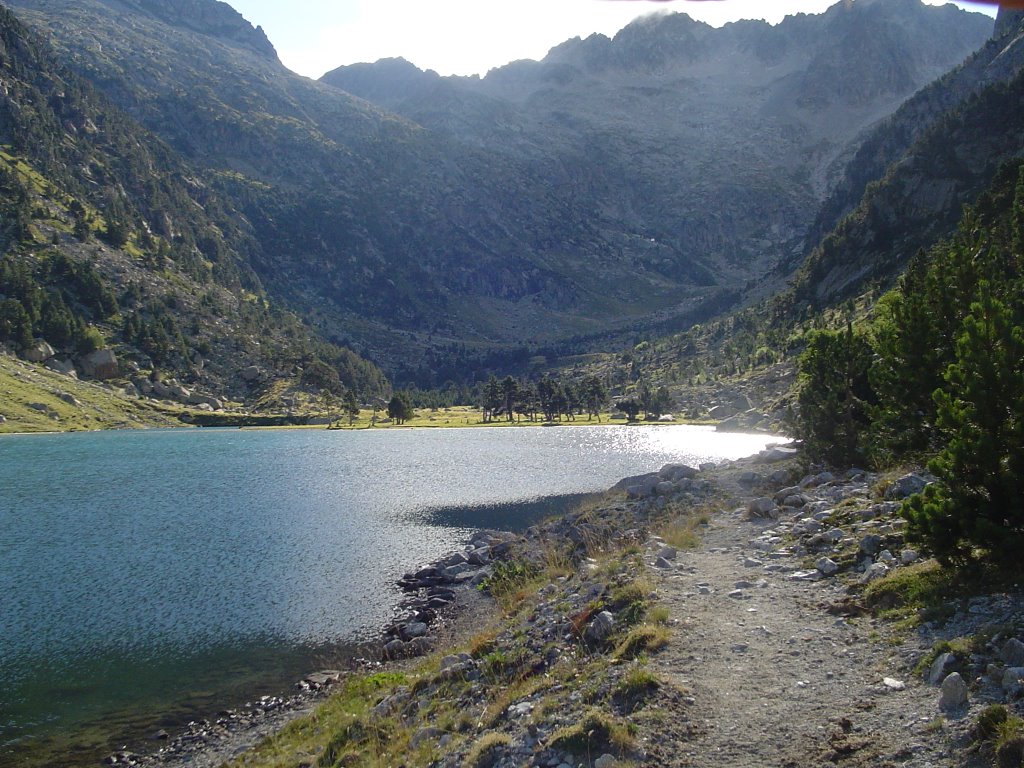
400 408
976 512
835 396
594 396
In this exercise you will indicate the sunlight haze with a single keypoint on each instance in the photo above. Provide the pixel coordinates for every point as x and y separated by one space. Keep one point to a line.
466 37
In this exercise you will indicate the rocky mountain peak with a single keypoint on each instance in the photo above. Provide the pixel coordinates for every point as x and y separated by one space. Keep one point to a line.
209 17
1007 22
382 81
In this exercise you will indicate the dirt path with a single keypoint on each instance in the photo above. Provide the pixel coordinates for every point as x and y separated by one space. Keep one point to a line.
776 680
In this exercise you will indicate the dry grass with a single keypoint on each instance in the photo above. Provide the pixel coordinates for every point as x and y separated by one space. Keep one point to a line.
595 733
479 755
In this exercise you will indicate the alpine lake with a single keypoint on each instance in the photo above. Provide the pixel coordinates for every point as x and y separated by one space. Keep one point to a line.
148 578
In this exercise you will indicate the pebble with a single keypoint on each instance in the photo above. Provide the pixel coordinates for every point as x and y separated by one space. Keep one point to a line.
893 684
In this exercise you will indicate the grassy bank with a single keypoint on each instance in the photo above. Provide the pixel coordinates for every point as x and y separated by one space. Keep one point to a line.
36 399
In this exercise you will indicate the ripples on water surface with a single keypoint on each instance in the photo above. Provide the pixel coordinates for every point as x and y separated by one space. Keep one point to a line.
172 570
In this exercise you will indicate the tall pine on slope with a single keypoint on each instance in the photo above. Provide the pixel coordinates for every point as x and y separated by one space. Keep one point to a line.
977 509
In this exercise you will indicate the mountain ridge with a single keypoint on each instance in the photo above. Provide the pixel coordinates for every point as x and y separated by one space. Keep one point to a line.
110 243
490 222
937 153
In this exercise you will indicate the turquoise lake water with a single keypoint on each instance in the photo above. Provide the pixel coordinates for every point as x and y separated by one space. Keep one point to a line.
154 577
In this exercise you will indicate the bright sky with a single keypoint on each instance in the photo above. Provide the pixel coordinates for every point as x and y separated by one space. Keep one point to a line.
467 37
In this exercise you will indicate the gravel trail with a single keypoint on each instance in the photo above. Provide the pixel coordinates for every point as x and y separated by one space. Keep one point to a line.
778 680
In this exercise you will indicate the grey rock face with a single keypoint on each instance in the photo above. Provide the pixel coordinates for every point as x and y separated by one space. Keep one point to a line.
908 556
101 364
773 455
665 488
413 629
69 399
38 352
677 472
669 553
1013 680
873 573
722 412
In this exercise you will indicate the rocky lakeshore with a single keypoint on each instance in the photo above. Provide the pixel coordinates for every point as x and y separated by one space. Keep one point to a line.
749 613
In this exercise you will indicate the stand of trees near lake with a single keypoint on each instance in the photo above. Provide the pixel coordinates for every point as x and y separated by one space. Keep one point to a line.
550 399
937 376
553 399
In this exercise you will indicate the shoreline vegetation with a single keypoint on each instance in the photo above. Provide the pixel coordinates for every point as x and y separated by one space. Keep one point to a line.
38 400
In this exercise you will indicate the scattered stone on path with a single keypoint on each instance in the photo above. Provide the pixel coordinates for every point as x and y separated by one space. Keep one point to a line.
954 692
662 563
893 684
871 544
1013 680
908 556
874 572
827 566
669 553
599 628
762 508
1012 653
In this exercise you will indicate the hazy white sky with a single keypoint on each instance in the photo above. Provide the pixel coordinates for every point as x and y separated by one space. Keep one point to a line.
471 36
